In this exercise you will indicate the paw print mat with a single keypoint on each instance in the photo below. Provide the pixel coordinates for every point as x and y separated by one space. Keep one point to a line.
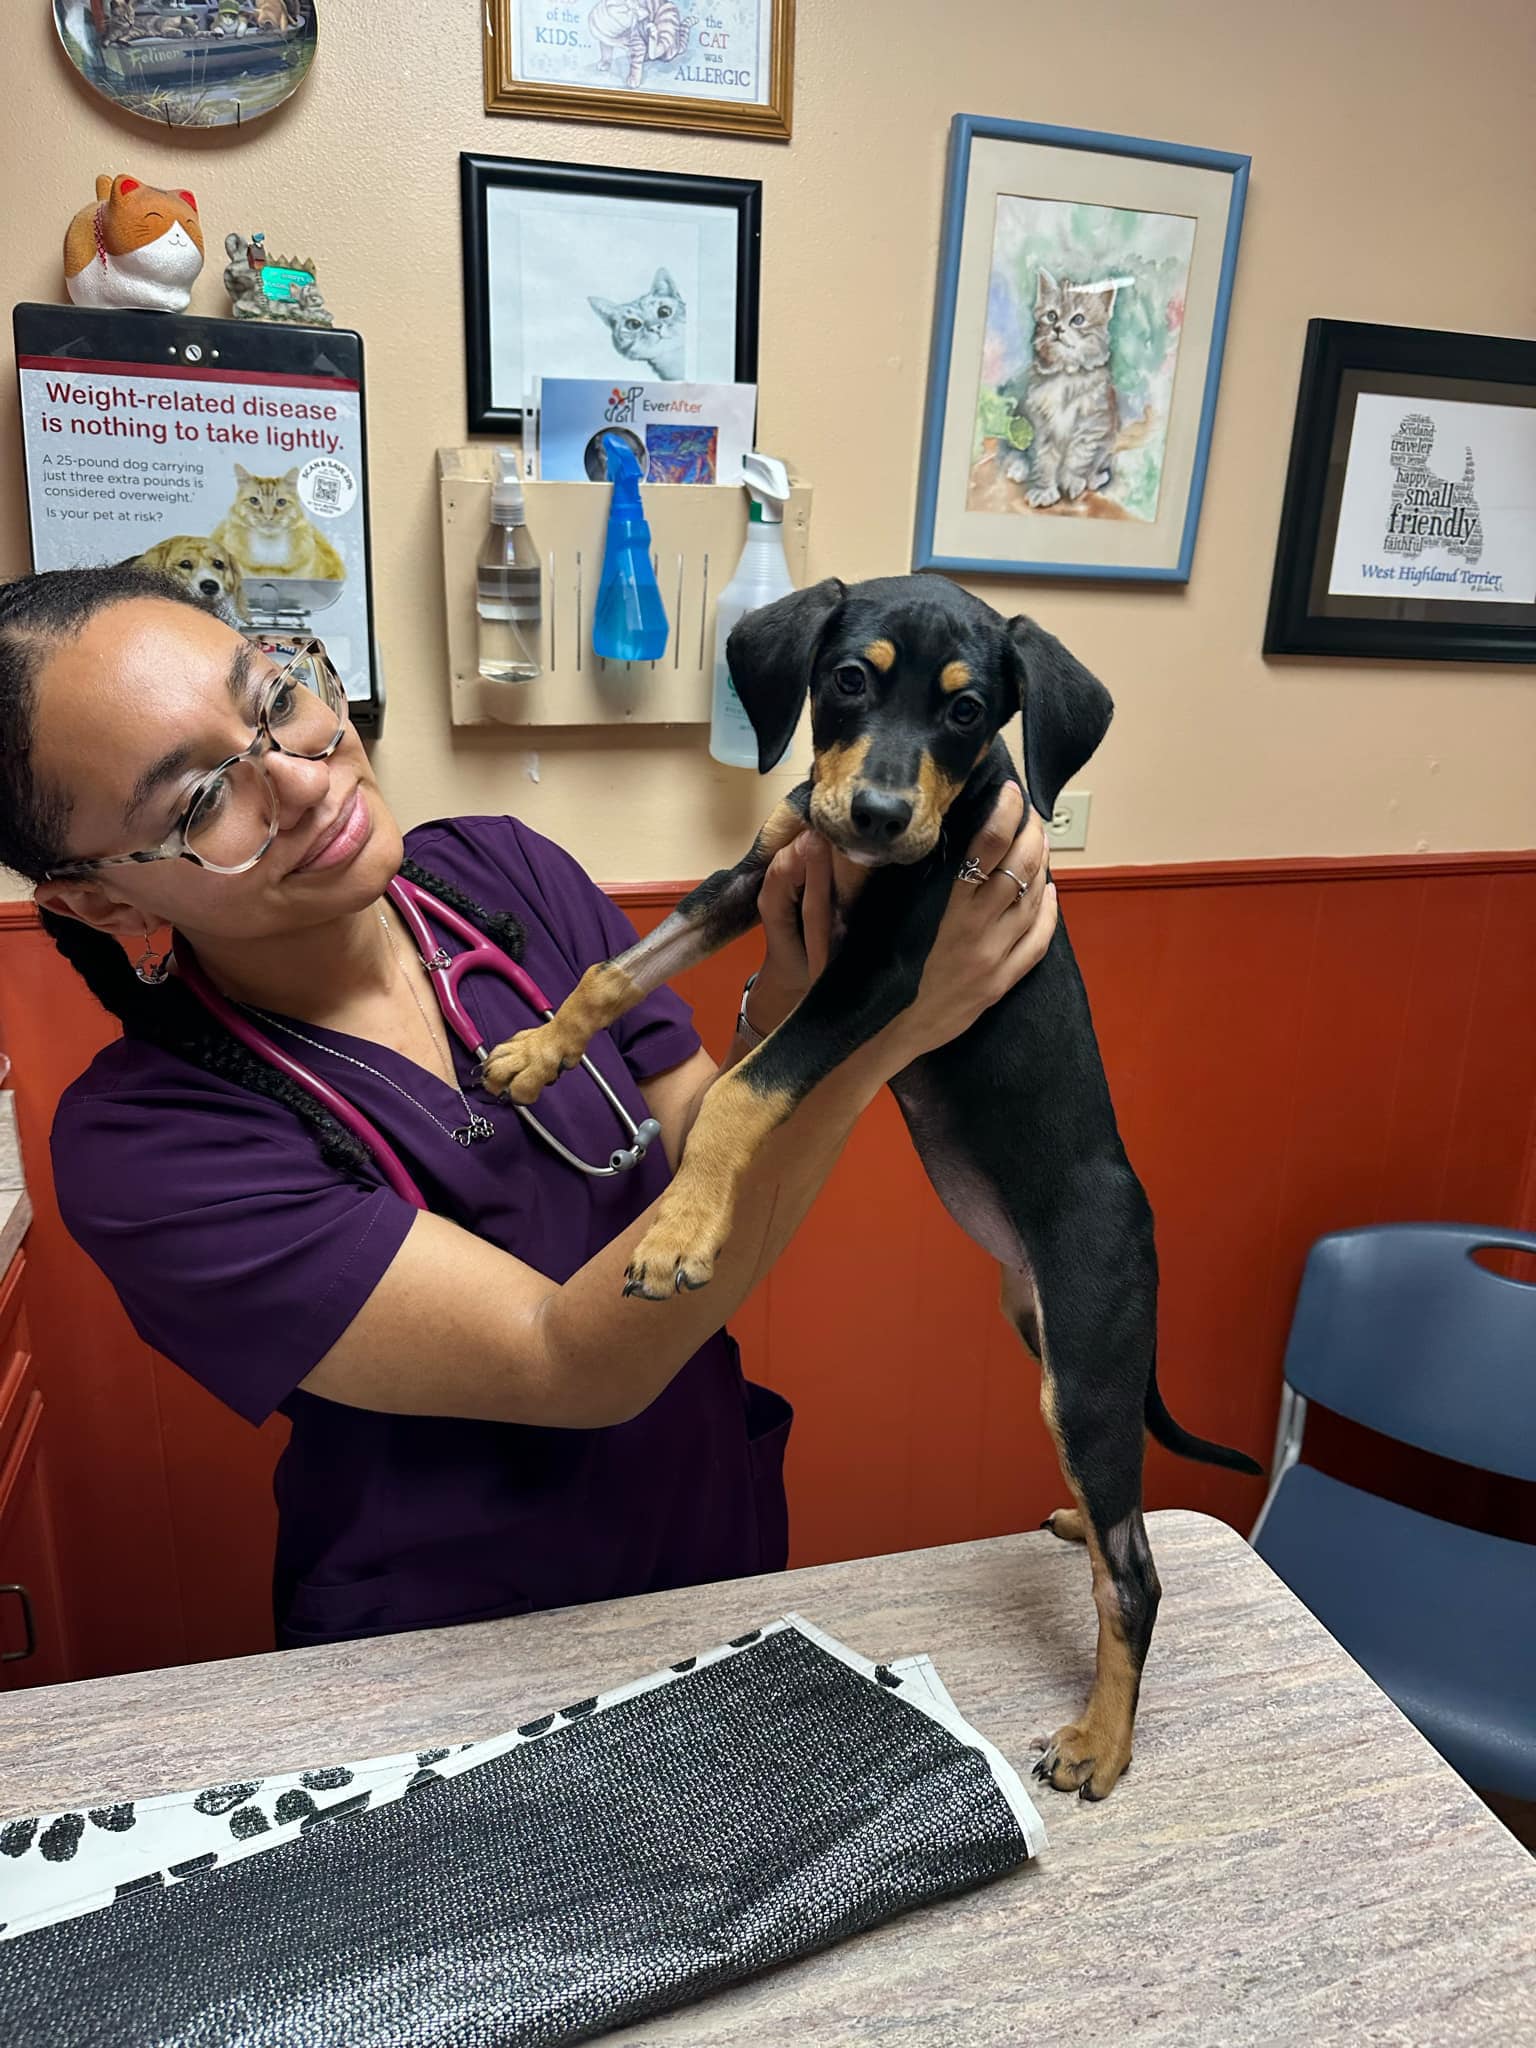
606 1861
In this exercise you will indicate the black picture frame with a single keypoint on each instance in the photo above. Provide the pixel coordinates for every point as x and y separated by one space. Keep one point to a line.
479 175
1344 358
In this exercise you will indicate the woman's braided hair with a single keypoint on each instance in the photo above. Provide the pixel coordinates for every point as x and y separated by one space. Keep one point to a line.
36 613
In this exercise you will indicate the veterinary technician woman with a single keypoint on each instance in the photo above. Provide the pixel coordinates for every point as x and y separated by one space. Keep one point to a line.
481 1423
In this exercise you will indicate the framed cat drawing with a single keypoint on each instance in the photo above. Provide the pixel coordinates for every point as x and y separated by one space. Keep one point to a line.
573 270
1409 526
1081 313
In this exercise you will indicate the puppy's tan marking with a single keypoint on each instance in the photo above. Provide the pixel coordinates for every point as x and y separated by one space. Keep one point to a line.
837 771
695 1215
936 791
1089 1754
525 1064
881 654
954 675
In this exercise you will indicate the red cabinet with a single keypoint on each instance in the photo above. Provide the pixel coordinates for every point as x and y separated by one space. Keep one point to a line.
32 1642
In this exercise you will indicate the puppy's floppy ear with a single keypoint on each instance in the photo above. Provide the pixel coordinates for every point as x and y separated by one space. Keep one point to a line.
771 653
1066 711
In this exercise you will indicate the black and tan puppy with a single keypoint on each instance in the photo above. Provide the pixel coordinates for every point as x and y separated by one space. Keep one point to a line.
911 681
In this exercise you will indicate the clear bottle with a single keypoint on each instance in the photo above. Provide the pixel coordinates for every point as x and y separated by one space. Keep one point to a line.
761 575
509 585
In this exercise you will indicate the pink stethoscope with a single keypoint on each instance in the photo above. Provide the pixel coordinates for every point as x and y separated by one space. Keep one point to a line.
447 971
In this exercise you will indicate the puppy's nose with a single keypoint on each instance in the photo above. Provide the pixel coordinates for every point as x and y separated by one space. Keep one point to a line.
208 587
880 815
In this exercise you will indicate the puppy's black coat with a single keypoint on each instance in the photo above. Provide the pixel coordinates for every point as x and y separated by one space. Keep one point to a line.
911 681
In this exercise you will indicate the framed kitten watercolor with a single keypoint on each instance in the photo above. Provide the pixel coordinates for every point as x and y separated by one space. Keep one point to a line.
572 270
1084 285
1409 526
725 70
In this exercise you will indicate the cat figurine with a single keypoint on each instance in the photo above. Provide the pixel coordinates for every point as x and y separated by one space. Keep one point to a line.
1068 395
652 329
267 533
136 246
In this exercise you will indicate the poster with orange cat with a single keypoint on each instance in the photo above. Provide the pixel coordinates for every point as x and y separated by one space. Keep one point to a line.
233 461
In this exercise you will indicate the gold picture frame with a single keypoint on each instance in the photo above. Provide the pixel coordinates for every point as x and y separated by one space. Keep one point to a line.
579 98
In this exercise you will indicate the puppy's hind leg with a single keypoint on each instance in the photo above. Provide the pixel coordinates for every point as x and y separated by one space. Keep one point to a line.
1098 1298
1023 1310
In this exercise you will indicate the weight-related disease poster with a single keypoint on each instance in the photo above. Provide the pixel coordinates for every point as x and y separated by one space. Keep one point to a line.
247 486
1439 501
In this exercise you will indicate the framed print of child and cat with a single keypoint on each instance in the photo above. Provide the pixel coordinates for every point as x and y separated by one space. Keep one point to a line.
1084 281
572 270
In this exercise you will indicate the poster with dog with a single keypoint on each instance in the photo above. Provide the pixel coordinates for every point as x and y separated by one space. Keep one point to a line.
245 485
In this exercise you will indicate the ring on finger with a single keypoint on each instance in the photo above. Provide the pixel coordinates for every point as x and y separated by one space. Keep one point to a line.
972 872
1022 887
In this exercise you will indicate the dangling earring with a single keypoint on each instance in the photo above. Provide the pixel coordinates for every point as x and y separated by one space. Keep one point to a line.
152 967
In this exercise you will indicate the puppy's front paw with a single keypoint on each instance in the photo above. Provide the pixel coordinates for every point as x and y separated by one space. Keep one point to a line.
524 1066
1081 1760
677 1254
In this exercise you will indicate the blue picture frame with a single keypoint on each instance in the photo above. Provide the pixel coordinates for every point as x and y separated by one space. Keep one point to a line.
964 130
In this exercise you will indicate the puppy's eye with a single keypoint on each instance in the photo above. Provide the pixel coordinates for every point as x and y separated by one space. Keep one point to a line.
966 712
849 680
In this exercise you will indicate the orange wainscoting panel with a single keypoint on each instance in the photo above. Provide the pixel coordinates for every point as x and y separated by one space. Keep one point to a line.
1294 1047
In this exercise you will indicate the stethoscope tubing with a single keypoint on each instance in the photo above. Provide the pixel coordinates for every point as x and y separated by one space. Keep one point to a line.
446 971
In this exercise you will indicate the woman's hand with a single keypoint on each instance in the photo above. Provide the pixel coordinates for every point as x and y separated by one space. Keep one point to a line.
989 939
797 910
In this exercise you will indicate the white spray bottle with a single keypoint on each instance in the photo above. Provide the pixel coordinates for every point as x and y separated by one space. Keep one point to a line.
761 575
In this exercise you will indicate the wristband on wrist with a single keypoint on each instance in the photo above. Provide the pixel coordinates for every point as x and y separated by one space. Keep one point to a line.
745 1028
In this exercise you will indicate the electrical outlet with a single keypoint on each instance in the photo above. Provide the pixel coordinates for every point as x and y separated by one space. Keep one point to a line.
1067 829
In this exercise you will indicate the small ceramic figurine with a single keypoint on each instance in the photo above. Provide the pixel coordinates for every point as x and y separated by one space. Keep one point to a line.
136 246
276 288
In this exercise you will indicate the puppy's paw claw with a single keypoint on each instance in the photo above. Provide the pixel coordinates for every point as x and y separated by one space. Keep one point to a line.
1075 1761
1067 1523
670 1259
523 1067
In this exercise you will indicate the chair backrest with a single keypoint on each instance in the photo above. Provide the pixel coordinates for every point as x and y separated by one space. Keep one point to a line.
1398 1328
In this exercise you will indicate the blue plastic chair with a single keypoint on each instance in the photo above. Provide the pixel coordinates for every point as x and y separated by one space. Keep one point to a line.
1397 1328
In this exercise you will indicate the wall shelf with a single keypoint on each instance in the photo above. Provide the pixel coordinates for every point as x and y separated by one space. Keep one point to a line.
698 532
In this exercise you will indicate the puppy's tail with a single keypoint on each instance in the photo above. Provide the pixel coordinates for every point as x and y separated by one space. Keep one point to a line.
1172 1438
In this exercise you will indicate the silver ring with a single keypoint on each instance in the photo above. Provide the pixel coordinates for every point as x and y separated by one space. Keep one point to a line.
1022 887
973 872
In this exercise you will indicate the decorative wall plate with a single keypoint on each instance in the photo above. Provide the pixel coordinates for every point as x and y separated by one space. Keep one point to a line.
190 63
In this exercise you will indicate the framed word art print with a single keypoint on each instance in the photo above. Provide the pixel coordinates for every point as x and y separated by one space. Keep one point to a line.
1084 282
1409 528
727 69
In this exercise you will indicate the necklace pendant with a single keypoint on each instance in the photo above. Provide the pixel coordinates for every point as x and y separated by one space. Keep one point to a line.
476 1132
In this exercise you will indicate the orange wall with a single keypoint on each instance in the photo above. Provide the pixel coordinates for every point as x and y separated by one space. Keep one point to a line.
1293 1048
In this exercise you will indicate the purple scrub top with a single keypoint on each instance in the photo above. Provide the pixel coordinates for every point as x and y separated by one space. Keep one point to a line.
242 1256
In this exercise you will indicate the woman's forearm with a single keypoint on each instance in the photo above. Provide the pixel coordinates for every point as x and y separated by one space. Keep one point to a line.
605 1358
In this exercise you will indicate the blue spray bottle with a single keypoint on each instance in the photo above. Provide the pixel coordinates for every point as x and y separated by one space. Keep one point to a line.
630 623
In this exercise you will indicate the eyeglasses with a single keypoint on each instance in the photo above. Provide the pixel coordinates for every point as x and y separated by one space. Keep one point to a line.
231 818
